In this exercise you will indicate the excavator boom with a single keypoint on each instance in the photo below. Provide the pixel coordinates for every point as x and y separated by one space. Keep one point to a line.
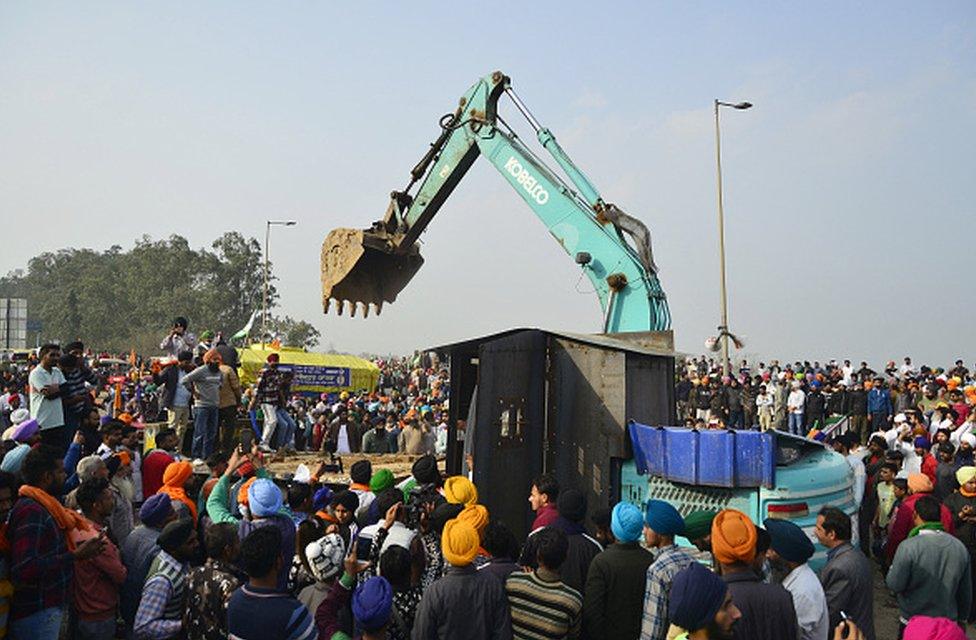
365 268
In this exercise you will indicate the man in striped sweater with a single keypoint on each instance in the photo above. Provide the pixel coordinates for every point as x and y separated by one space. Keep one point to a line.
160 614
542 605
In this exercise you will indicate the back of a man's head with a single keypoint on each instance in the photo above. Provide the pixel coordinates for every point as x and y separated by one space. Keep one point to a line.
551 545
298 494
260 550
38 462
89 492
499 541
220 537
928 509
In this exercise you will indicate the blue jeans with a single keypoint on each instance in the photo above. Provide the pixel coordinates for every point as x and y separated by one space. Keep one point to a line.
43 625
796 424
204 431
288 426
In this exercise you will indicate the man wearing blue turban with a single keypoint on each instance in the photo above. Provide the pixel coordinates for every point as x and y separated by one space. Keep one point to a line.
614 592
662 523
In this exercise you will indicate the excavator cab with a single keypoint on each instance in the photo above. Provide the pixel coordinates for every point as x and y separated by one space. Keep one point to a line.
360 268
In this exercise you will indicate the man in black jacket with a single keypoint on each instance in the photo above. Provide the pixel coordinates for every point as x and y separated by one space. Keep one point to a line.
175 398
857 406
837 401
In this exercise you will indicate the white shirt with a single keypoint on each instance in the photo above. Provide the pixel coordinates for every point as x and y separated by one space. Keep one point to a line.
49 413
848 375
342 446
956 436
860 476
764 401
796 401
809 601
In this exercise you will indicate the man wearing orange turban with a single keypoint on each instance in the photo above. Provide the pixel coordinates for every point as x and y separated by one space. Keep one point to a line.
174 479
919 485
739 548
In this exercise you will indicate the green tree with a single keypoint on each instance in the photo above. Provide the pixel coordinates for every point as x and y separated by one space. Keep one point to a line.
120 300
295 333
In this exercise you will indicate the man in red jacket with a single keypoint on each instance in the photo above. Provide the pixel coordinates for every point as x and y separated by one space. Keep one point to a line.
155 462
542 497
97 580
918 485
929 463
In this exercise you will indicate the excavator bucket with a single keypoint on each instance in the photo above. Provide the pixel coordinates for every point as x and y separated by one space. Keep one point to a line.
358 272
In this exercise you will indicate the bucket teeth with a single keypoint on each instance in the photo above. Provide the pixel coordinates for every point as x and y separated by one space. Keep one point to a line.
353 307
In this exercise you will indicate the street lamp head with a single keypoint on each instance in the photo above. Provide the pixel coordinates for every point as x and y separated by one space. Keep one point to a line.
735 105
286 223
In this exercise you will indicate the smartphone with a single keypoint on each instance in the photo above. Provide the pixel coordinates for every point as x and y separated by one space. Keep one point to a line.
247 440
363 548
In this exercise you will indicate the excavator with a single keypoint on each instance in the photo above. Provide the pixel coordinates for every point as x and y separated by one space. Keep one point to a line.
365 268
763 475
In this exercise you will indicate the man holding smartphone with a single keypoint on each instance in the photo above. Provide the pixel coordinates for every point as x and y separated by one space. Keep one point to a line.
179 339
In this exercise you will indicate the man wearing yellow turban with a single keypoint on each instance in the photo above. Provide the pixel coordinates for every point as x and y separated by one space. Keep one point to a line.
464 603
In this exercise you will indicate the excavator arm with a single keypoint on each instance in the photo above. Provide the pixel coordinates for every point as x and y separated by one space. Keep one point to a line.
369 267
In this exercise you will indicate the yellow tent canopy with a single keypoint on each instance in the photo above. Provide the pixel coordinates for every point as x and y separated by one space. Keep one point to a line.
315 373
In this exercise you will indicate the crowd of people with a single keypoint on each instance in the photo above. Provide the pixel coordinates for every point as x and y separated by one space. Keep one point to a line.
192 537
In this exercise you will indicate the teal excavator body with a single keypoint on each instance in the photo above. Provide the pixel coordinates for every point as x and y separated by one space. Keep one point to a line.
364 268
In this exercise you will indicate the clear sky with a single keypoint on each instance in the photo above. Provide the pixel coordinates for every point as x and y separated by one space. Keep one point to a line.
850 186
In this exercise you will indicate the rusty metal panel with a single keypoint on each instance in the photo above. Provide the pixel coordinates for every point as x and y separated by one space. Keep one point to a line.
587 418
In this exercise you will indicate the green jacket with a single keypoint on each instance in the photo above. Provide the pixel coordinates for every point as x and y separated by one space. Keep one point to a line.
218 504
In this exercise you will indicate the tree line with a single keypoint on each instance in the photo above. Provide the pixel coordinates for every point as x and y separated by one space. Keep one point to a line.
120 300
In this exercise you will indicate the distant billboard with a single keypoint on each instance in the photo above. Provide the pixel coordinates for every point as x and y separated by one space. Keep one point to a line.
13 323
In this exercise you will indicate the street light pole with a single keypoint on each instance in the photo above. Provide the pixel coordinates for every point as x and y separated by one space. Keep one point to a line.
264 298
724 327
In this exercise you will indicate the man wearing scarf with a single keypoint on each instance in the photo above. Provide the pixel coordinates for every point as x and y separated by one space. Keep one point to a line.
43 550
919 485
962 504
931 574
